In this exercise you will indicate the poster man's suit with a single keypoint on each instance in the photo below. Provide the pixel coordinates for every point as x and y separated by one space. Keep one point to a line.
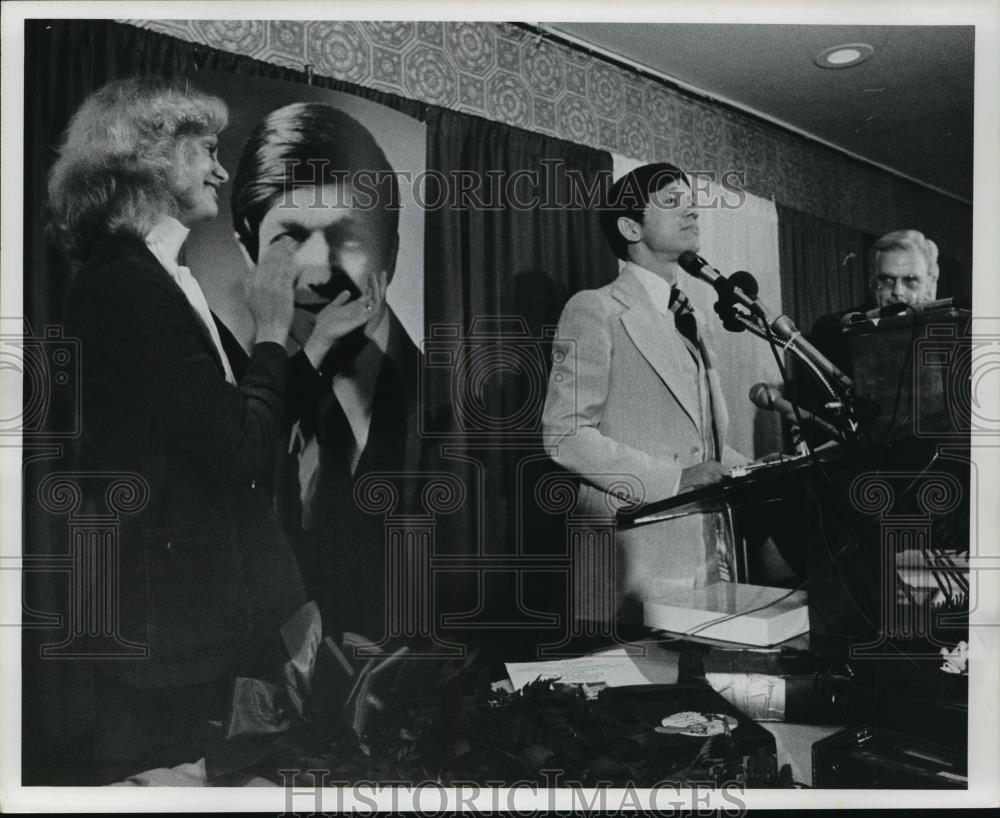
341 546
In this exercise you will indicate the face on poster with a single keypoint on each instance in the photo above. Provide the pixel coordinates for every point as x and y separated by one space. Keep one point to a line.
316 218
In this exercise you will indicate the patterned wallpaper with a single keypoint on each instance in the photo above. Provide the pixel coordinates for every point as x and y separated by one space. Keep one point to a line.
504 73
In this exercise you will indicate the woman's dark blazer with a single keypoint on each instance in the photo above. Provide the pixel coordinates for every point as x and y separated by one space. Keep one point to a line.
206 578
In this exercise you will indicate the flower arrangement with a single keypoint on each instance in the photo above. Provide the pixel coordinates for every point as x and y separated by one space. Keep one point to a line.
364 714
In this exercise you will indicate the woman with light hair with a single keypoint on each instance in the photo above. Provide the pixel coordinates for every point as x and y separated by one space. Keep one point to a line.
205 579
120 163
904 268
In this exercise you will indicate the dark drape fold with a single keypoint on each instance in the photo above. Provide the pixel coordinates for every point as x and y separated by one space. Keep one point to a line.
500 265
822 266
528 214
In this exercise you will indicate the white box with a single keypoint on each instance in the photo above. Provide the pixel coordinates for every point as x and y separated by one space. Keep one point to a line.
761 615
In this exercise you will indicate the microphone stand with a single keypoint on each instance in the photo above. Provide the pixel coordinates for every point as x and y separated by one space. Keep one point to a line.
782 332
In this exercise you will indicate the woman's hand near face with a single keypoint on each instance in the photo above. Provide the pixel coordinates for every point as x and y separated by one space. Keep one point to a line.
270 292
341 317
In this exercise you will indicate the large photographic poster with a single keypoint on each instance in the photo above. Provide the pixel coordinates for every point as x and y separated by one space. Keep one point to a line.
211 249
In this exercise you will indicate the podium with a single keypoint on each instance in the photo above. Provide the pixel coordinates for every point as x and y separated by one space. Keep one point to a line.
876 529
916 368
740 498
844 517
842 521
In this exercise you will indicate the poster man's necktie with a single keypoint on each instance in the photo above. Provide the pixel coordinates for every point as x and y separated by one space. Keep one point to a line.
331 485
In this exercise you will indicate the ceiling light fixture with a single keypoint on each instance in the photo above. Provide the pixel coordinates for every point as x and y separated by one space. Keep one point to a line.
844 56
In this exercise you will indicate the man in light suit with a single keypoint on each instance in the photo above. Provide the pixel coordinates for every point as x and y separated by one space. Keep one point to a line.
634 396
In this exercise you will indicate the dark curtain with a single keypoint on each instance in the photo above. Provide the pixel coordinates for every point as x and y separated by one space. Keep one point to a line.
519 262
946 222
497 278
822 266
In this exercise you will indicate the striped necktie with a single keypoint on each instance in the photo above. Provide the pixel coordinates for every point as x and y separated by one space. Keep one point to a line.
684 318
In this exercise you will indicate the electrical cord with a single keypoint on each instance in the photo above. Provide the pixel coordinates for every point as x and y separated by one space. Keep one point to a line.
761 330
797 587
834 557
727 617
817 464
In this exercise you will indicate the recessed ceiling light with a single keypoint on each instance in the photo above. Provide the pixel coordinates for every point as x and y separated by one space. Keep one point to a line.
844 56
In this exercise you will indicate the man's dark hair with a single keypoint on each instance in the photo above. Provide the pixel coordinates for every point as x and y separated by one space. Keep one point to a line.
309 143
630 196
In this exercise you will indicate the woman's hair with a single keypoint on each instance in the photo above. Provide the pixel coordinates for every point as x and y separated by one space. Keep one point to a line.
112 174
630 197
309 143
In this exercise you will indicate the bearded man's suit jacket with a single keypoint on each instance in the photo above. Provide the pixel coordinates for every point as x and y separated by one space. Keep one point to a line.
625 413
206 578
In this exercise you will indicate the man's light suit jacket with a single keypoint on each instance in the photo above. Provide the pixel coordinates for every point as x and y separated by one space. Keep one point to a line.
623 413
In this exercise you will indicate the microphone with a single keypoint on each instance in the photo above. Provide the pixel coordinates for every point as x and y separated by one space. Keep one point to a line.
769 398
695 265
958 302
746 282
782 326
698 267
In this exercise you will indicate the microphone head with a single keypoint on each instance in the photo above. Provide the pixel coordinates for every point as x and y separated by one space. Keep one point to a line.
759 395
890 311
693 264
746 282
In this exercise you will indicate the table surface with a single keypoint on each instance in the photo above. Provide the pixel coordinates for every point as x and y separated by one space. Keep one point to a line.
793 742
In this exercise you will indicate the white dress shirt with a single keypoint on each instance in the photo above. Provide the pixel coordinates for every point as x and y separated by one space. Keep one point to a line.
657 287
165 241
